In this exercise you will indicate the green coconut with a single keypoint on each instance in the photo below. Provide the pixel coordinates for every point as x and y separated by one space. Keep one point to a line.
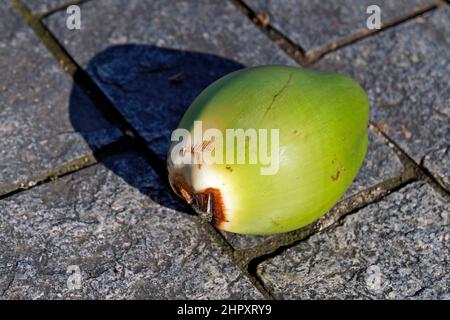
322 124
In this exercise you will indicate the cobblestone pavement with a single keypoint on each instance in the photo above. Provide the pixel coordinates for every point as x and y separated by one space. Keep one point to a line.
85 121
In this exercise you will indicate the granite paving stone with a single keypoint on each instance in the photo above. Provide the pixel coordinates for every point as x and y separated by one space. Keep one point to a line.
397 248
314 24
106 221
35 94
406 72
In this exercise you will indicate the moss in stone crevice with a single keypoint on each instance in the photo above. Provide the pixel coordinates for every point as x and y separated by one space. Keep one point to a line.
8 189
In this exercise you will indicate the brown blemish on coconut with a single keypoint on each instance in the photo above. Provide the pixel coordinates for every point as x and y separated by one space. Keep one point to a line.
197 149
334 160
275 223
185 195
229 168
206 145
180 187
336 175
211 201
207 203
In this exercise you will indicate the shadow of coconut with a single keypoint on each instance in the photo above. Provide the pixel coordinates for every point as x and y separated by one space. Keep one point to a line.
151 88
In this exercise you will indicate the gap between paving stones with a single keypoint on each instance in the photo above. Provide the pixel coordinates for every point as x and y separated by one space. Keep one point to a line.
316 55
42 15
420 172
246 260
10 189
299 54
123 144
294 50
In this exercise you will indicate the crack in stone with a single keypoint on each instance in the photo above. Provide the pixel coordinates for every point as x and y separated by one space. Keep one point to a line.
276 95
426 286
8 286
11 281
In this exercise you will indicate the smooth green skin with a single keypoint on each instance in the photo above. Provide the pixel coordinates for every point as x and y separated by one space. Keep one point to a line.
323 120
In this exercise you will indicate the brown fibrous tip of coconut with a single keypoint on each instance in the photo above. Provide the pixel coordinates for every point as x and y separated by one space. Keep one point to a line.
208 202
216 207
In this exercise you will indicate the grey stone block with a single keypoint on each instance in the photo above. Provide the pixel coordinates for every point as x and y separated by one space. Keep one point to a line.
437 161
406 71
314 24
43 6
106 221
212 27
35 94
397 248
